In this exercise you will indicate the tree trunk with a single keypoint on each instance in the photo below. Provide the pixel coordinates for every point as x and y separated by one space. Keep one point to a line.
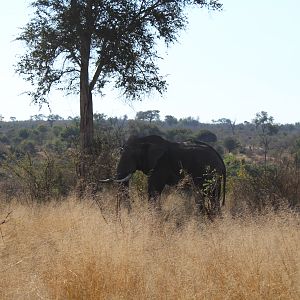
86 119
86 107
86 101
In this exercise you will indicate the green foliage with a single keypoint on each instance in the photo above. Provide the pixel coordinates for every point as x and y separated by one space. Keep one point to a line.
248 178
139 182
265 124
233 165
42 129
4 139
114 40
205 135
57 130
170 120
149 115
141 128
24 133
296 152
189 122
42 178
179 134
230 144
254 188
52 118
70 135
27 147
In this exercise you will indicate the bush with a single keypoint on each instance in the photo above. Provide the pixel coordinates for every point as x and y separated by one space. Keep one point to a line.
24 133
257 188
43 177
206 136
231 144
179 134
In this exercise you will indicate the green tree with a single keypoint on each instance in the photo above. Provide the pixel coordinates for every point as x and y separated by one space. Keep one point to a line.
228 122
230 144
24 133
296 152
138 128
170 120
70 134
179 134
149 115
81 45
266 129
206 136
189 122
39 117
52 118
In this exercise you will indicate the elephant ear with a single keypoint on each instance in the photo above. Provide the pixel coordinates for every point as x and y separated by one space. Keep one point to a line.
154 153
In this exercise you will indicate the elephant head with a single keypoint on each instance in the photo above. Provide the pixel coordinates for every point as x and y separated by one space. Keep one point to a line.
140 154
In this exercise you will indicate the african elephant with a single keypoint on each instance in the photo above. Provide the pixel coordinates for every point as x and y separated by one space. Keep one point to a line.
166 163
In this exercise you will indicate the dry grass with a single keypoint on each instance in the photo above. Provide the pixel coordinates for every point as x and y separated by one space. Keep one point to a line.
69 251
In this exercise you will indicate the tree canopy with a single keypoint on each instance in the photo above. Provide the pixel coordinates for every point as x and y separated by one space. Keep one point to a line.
79 46
149 115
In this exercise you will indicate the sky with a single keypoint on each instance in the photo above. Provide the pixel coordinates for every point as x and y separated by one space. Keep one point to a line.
229 64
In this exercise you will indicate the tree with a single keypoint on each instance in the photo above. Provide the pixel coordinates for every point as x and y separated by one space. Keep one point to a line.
179 134
230 144
296 153
24 133
189 122
266 128
52 118
13 120
39 117
149 115
228 122
81 45
138 128
170 120
206 136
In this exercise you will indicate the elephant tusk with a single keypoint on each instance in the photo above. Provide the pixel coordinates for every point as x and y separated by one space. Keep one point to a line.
106 180
123 179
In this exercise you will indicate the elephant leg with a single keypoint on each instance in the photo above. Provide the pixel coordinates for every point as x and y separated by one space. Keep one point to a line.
215 196
207 199
200 204
155 188
123 199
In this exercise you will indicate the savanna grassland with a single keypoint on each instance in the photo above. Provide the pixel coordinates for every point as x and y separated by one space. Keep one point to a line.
76 249
55 246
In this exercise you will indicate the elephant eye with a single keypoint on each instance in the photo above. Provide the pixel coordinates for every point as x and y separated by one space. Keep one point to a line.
121 149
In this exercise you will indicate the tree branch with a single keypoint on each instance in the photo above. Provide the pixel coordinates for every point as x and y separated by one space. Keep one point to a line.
99 67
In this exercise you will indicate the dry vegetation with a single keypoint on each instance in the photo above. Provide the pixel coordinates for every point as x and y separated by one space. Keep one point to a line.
74 250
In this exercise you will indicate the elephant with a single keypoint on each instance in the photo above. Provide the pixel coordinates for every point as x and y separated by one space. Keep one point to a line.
166 163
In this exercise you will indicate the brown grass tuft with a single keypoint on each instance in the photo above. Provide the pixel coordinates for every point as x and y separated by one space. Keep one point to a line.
69 251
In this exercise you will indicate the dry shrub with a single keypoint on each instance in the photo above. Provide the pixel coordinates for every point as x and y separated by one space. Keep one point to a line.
70 250
256 190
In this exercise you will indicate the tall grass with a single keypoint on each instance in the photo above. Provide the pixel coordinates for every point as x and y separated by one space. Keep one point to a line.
72 250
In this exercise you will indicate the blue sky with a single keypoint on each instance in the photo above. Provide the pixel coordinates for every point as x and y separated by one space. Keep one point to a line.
229 64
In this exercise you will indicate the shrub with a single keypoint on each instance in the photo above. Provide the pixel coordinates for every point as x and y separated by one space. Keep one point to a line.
43 177
24 133
206 136
258 188
231 144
